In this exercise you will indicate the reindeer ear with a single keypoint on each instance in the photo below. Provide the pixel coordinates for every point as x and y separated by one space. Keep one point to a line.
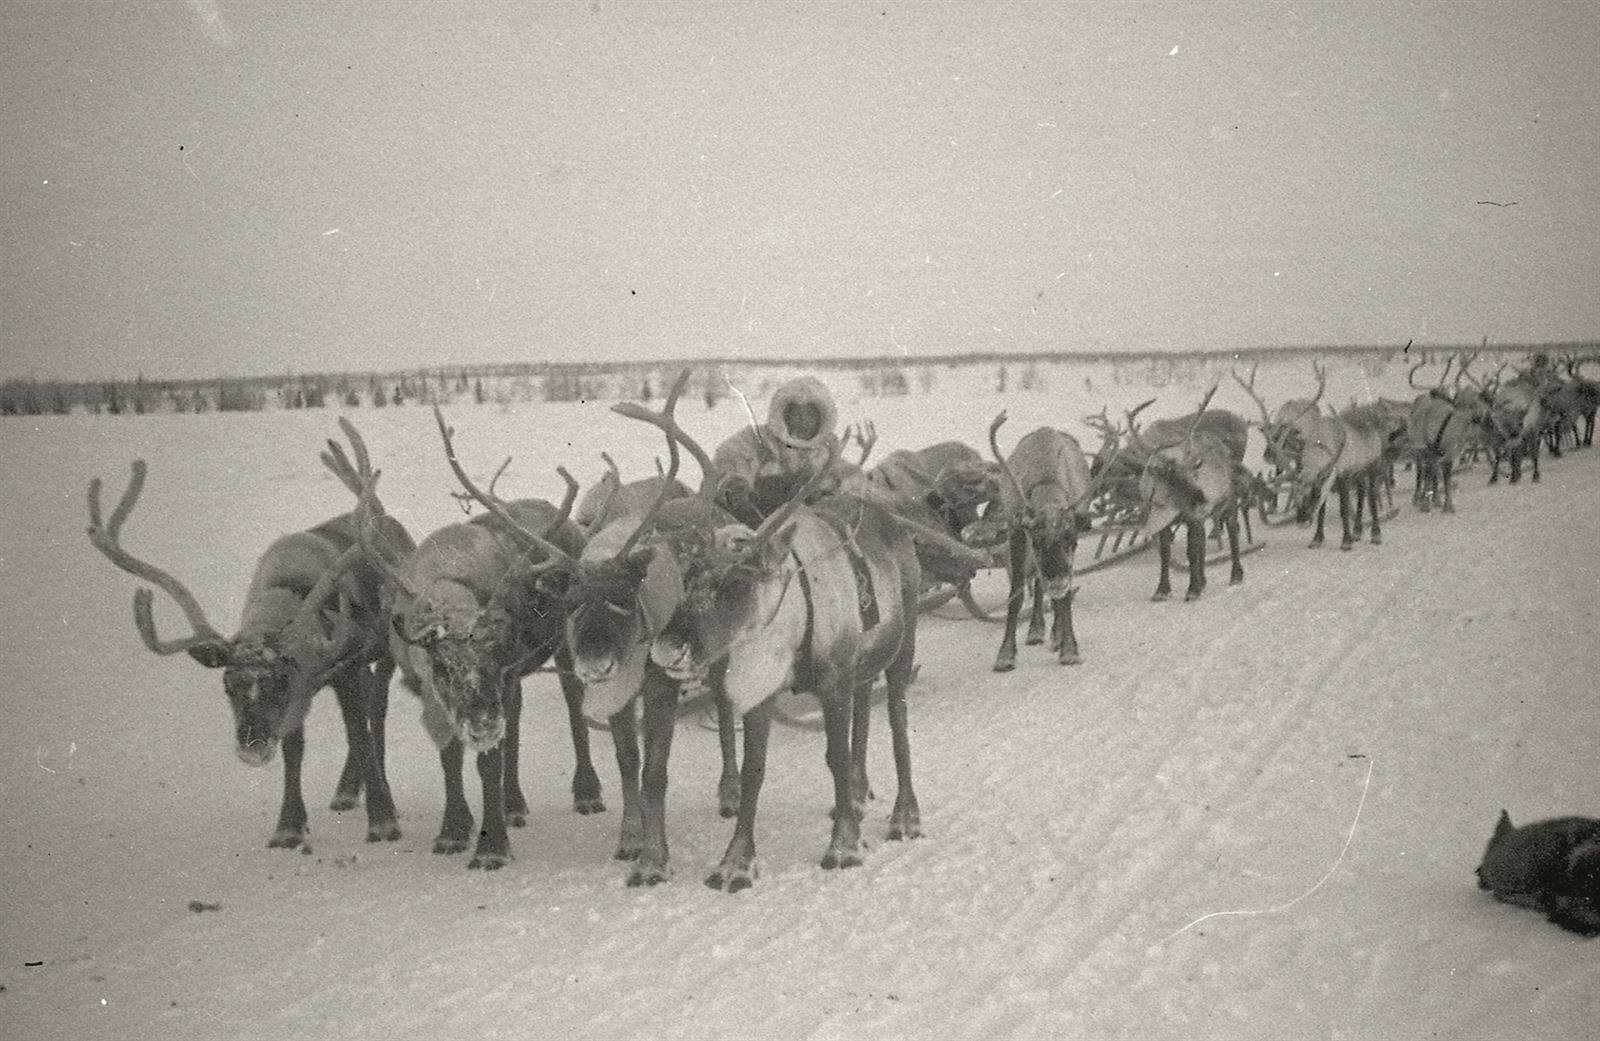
661 591
211 655
779 545
1503 826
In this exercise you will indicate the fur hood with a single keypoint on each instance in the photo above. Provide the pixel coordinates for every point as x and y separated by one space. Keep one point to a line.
807 390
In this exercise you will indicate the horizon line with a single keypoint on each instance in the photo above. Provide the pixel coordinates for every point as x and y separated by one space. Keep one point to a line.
826 362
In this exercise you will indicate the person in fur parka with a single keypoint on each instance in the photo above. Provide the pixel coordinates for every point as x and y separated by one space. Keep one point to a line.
763 465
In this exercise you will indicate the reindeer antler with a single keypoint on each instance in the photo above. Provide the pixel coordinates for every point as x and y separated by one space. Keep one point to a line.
366 522
865 435
1005 467
1250 389
1201 411
1322 384
664 421
107 538
673 459
614 489
307 623
334 458
530 541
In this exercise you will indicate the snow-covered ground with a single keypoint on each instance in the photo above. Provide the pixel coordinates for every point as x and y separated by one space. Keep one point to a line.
1325 748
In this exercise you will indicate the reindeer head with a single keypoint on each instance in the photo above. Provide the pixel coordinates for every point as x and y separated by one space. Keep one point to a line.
1051 506
271 670
284 650
463 643
733 584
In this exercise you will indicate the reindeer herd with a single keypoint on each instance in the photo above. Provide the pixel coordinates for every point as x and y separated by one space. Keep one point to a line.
652 597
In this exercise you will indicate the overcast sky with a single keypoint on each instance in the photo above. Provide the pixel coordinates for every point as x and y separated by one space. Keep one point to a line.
209 187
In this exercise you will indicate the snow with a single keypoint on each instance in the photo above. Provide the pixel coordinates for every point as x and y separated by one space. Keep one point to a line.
1207 757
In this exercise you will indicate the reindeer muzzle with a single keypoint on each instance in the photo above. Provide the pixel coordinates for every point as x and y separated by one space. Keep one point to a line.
595 670
482 735
257 752
677 659
1056 588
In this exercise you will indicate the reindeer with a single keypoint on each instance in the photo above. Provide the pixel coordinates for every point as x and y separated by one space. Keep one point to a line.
612 498
1588 395
1045 492
821 597
1563 402
471 621
1284 447
1188 477
1341 451
947 486
1513 422
280 656
1439 428
615 597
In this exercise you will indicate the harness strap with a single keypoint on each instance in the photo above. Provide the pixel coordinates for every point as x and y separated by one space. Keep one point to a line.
805 592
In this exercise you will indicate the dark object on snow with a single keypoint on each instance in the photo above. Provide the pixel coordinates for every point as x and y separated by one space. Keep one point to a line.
1551 865
199 905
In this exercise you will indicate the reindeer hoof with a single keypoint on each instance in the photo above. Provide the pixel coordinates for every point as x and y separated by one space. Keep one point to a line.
905 824
1347 546
289 838
1376 540
731 880
446 845
1447 509
1191 596
586 806
1034 639
651 875
1160 597
1005 663
345 801
837 858
383 831
489 861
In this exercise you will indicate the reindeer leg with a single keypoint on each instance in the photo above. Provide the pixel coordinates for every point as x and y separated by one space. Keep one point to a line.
738 867
1364 491
1067 647
355 686
625 737
728 784
1446 466
1195 529
1322 513
353 710
516 805
585 782
1164 559
494 846
1347 540
1374 480
1006 660
291 830
1036 612
1231 519
660 695
844 848
456 830
1535 460
905 822
860 726
378 711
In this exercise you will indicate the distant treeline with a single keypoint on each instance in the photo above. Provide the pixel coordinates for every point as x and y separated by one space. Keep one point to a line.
878 376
